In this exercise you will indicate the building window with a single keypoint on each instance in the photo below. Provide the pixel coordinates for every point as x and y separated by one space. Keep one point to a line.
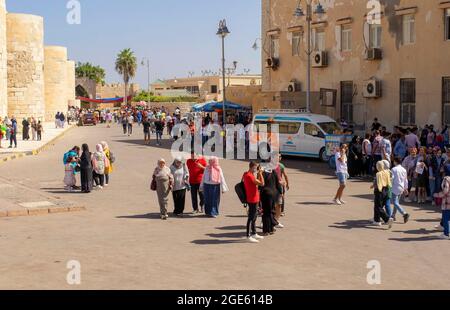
407 102
409 29
446 100
375 36
275 47
346 38
347 101
213 89
296 39
319 40
447 24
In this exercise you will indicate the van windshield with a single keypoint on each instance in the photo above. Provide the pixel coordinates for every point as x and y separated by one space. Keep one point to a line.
330 128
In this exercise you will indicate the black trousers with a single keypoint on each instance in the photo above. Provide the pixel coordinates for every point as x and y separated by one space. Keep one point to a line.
195 194
268 206
106 178
130 129
13 138
251 220
380 202
124 128
99 179
179 199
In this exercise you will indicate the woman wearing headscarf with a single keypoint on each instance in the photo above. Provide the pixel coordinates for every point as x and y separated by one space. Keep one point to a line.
270 194
86 170
164 184
381 186
180 185
100 163
355 158
213 185
109 169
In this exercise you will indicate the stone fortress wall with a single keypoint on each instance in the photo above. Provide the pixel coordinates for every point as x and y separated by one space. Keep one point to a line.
3 61
35 80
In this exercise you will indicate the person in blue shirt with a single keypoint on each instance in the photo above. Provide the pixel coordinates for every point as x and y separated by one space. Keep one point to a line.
400 148
74 153
13 133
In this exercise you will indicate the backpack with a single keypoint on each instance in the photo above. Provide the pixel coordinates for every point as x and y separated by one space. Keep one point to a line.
100 163
112 157
240 192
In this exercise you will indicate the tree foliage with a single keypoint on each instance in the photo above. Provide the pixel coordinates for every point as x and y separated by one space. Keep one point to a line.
87 70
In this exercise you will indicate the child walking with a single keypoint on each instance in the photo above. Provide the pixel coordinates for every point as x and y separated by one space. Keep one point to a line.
70 172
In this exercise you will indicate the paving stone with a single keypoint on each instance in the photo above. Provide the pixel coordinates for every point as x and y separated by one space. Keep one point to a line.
37 204
58 210
38 211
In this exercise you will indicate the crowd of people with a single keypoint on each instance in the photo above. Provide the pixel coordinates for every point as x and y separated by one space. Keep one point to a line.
408 163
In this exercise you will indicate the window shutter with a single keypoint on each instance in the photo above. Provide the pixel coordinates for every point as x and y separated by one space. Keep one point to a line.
367 35
339 37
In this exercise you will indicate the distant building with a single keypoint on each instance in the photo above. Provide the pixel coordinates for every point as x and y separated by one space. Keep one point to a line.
205 88
397 70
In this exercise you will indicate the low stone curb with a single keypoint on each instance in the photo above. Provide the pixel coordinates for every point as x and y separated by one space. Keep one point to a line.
40 211
36 151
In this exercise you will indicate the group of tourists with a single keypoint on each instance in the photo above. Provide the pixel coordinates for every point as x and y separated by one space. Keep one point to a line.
263 191
406 164
94 168
60 120
32 129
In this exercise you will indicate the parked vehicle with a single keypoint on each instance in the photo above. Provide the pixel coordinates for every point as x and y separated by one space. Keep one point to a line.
300 134
88 119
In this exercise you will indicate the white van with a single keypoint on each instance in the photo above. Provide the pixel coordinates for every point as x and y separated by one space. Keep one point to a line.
301 134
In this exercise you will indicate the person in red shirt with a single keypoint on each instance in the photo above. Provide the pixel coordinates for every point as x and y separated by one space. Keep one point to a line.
251 184
196 166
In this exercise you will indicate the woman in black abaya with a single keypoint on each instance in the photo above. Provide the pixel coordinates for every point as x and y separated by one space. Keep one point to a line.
86 170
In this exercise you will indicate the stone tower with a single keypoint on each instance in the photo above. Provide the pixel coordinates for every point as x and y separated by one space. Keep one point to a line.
3 62
71 82
25 48
55 73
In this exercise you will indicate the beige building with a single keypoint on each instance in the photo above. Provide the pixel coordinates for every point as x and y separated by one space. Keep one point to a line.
206 88
392 63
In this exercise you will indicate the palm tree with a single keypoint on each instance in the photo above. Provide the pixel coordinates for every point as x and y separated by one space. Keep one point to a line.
95 73
126 65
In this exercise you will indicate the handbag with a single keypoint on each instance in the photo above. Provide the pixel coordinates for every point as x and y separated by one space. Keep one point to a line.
153 184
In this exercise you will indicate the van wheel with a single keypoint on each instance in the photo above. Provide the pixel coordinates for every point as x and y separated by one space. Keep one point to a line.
323 155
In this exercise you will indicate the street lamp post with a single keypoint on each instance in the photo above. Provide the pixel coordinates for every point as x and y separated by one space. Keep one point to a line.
309 14
144 60
223 32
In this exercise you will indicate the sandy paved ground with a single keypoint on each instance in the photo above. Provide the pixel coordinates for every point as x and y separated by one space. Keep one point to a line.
121 243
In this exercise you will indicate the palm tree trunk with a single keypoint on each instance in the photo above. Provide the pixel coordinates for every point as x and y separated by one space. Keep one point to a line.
125 100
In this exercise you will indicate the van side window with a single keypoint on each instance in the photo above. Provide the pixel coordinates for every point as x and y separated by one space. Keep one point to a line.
313 130
289 128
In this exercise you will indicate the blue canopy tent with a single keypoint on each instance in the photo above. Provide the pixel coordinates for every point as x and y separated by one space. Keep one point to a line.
214 106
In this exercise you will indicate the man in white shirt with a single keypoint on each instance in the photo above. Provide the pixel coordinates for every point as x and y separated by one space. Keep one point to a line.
130 121
341 172
399 187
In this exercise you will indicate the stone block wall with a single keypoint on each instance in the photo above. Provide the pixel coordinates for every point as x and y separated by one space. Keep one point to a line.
3 62
55 77
25 53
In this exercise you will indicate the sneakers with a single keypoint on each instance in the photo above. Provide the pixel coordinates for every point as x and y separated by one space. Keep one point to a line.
406 218
377 223
337 202
279 225
258 237
342 202
407 200
390 223
164 217
252 240
439 228
444 237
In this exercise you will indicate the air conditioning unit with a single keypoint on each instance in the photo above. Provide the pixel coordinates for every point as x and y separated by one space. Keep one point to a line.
319 59
372 89
374 54
294 87
272 63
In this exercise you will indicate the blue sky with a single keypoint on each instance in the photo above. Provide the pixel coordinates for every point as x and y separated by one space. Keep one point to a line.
177 35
